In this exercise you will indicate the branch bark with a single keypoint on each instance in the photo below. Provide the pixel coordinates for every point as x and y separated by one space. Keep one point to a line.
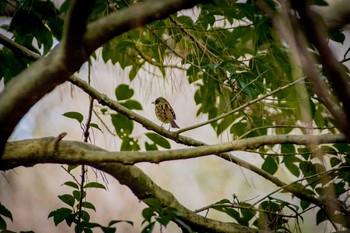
34 151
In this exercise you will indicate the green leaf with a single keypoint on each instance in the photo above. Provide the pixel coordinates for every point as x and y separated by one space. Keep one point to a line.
94 125
86 226
334 161
306 152
108 229
5 212
320 2
133 72
223 201
74 115
76 194
123 92
288 149
85 216
336 35
342 147
60 215
123 125
132 104
150 147
72 167
289 161
148 213
328 150
129 144
154 203
111 223
71 184
88 205
3 224
149 228
304 204
320 216
294 169
159 140
239 128
164 220
68 199
94 185
270 165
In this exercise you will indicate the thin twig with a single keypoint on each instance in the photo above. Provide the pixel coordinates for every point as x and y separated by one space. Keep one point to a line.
241 107
86 139
232 205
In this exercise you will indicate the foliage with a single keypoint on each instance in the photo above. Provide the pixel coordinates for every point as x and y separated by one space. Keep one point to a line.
156 212
232 56
77 211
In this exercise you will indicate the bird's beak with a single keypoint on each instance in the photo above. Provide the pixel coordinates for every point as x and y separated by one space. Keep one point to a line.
153 102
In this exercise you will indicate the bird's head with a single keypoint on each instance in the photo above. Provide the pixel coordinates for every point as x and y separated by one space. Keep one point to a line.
159 100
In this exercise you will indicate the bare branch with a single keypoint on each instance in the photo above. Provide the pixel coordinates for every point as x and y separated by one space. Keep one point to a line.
18 49
28 152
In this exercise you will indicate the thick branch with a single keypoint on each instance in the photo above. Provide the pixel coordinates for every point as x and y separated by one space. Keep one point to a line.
18 49
75 29
30 152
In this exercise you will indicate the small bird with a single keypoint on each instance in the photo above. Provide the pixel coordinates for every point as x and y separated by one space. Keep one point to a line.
165 112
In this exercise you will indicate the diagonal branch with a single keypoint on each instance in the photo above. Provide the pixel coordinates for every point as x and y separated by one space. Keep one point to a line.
336 73
241 107
18 49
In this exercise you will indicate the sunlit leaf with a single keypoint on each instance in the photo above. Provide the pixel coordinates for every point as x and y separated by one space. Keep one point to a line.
123 92
74 115
159 140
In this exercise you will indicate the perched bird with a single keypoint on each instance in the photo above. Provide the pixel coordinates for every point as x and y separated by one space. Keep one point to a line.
165 112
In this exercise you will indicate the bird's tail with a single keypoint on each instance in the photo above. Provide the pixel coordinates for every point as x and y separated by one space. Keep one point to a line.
173 124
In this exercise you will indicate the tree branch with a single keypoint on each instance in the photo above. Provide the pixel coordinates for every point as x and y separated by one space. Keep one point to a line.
33 151
336 73
42 151
51 150
18 49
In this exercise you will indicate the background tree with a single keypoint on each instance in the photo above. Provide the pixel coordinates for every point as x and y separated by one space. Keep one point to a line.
264 76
